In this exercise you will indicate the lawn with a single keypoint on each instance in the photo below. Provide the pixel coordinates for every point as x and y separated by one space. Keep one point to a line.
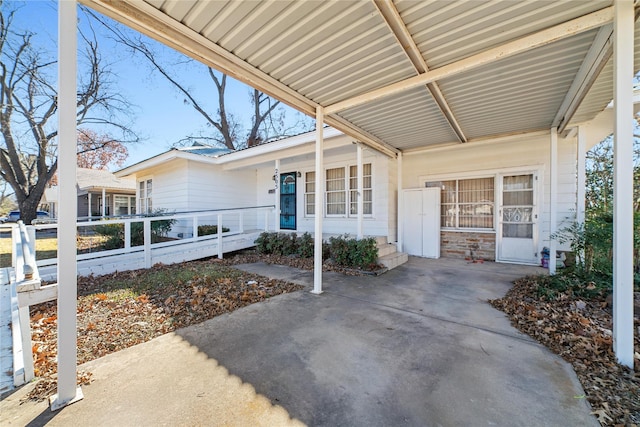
47 247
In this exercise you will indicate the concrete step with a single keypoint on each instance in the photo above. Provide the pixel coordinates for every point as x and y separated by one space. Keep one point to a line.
381 240
386 249
393 260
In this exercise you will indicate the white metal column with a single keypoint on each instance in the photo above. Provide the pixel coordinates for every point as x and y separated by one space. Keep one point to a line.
400 211
67 164
276 178
553 202
581 180
319 202
89 204
360 191
623 36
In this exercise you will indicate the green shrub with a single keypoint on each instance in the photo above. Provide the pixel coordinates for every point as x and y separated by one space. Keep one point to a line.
305 246
342 250
206 230
355 253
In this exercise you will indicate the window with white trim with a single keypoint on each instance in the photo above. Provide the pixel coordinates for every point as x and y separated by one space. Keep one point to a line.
310 193
336 193
341 191
367 192
467 203
145 188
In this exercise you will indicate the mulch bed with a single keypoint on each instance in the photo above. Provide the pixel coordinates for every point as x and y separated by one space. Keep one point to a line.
580 331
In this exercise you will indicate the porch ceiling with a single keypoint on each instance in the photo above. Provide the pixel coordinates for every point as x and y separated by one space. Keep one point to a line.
402 74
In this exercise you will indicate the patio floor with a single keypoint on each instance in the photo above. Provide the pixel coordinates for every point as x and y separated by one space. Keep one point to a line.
418 345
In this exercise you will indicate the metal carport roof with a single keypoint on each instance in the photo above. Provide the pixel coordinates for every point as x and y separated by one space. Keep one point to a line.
490 68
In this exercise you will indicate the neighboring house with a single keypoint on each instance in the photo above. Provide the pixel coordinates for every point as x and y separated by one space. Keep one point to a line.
94 186
498 210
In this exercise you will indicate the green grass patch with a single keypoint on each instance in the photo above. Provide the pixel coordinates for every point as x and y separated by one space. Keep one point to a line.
162 279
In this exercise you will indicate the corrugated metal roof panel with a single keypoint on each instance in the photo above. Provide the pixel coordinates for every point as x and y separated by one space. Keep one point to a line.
397 118
329 51
449 31
532 84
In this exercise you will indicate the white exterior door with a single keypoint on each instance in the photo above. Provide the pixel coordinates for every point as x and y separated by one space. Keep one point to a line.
518 219
421 228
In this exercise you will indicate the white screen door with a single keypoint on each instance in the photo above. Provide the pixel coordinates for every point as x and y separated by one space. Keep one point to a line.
518 219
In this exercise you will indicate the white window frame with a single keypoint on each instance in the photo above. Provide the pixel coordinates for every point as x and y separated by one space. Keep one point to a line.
347 190
309 195
344 190
145 203
131 202
355 190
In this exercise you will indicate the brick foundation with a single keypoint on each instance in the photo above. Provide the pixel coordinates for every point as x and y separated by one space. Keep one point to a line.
460 245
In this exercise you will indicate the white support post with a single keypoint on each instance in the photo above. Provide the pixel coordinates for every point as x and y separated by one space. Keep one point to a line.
319 203
276 177
553 202
194 230
581 180
219 236
127 234
360 194
623 36
146 227
27 352
15 233
68 392
399 212
266 220
241 222
89 204
104 202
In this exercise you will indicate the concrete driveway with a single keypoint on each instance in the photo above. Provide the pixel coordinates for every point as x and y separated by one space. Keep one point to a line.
418 346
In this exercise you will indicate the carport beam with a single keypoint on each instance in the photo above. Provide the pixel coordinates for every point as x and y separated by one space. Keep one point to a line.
319 205
623 38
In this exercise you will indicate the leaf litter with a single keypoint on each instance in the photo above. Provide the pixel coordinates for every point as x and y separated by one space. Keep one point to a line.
580 331
120 310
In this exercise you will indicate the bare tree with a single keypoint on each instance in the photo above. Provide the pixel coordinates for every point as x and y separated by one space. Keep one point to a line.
267 121
28 107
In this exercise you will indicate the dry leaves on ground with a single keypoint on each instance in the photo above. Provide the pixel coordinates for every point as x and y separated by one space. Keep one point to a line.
579 330
119 310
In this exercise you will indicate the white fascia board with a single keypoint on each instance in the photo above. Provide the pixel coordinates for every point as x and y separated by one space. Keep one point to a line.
163 158
272 147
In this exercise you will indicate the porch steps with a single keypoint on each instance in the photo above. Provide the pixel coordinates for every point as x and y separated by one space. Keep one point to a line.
388 255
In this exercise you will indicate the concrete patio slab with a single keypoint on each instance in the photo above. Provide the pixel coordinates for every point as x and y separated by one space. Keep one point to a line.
416 346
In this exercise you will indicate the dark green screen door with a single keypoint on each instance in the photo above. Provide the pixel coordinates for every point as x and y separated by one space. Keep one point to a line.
288 201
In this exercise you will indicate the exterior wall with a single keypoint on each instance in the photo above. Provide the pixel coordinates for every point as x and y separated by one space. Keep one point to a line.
376 225
211 187
520 153
462 245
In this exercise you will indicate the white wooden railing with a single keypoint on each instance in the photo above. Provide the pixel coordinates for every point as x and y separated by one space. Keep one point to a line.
183 243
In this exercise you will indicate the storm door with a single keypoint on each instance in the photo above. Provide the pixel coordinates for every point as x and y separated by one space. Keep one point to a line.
518 219
288 201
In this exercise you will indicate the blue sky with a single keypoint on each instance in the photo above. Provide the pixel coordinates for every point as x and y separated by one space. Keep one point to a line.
161 116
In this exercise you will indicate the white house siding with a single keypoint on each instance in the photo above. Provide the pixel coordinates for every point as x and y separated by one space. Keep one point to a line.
376 225
488 158
209 187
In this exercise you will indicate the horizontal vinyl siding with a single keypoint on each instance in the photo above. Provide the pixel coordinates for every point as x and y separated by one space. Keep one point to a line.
211 187
489 158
